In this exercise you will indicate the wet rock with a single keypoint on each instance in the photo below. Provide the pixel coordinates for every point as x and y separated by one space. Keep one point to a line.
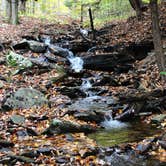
24 98
17 119
158 118
72 92
58 126
58 51
90 116
97 104
37 46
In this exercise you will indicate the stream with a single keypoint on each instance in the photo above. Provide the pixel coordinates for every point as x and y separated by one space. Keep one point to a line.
112 132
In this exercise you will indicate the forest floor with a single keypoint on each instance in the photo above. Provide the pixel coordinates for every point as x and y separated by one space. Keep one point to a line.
53 134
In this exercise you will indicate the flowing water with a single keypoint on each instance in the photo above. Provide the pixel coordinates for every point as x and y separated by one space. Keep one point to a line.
76 62
114 132
110 123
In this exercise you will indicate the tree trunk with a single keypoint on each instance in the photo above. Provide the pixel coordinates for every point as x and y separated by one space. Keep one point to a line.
81 15
137 6
33 7
91 23
8 10
160 57
14 17
23 6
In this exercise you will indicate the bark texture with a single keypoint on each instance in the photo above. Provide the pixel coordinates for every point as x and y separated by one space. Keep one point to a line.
158 46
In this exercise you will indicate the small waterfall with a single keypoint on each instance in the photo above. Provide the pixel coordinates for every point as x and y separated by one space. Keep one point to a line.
76 62
110 123
84 32
47 41
85 85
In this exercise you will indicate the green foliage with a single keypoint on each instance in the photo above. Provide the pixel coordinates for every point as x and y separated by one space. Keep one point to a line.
163 73
103 10
17 61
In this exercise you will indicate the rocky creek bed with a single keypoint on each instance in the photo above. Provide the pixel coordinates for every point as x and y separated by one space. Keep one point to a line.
100 105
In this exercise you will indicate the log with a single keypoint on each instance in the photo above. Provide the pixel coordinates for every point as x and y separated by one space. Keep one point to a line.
145 101
126 115
109 62
80 46
142 96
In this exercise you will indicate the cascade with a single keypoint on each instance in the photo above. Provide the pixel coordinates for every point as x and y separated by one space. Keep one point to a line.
110 123
76 62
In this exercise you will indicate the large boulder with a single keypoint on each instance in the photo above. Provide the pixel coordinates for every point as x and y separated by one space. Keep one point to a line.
33 45
24 98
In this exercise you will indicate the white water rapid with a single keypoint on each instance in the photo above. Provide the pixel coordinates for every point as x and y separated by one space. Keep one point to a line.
76 62
110 123
47 41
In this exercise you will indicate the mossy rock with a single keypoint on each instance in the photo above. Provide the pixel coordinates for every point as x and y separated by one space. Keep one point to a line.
24 98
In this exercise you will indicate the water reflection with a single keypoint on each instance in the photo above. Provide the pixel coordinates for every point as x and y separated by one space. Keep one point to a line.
136 131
